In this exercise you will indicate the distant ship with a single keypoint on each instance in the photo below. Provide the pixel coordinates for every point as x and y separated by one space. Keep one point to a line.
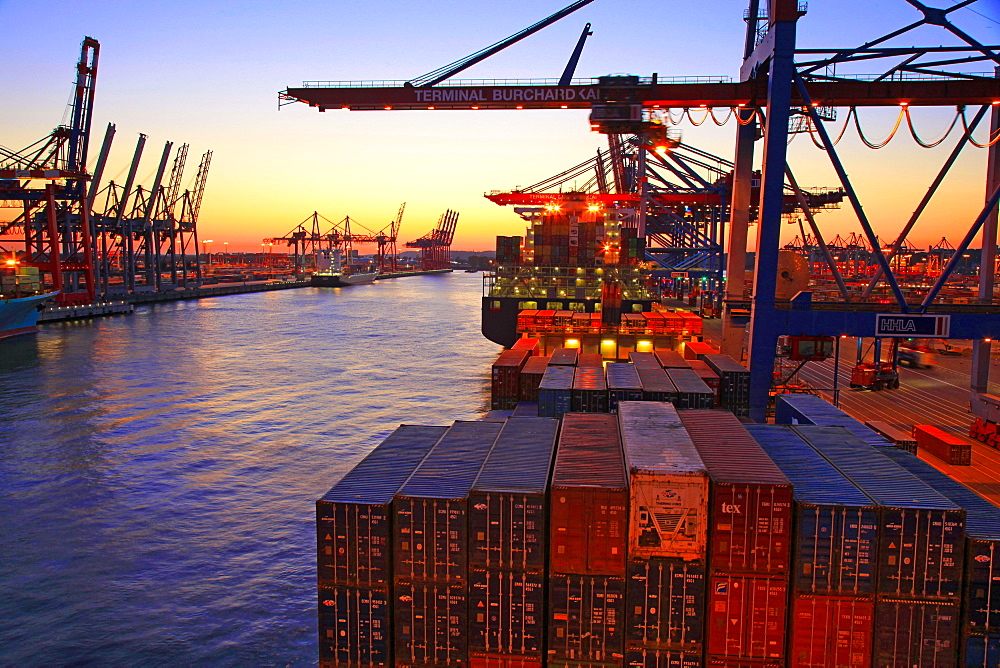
19 315
333 272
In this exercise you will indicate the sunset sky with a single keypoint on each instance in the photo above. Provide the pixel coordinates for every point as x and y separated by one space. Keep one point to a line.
208 73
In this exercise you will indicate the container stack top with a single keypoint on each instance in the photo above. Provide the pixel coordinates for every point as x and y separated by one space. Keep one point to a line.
589 378
655 380
535 365
725 364
622 376
590 360
880 478
655 440
671 359
730 454
451 467
810 409
687 380
816 481
557 378
589 453
512 358
564 357
644 360
377 477
521 457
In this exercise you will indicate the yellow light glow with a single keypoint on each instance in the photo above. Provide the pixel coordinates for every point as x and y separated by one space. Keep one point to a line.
572 343
11 263
594 207
644 346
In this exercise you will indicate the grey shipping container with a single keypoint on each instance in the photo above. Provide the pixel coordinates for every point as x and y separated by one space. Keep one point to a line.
586 618
692 392
507 613
430 624
922 544
734 380
431 508
668 483
623 384
916 633
656 385
662 658
837 525
564 357
354 519
555 392
671 359
644 360
508 508
354 626
665 604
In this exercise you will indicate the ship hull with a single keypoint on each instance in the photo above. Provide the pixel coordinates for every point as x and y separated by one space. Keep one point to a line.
20 315
340 280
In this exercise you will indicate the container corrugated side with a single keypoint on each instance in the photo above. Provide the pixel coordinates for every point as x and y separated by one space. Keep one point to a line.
354 626
734 383
505 383
746 617
588 502
948 448
586 620
916 633
831 631
692 393
623 384
898 437
668 483
671 359
507 613
430 624
564 357
981 594
531 377
810 409
502 661
431 508
593 360
590 390
354 519
555 392
665 604
750 515
981 651
922 543
837 525
508 503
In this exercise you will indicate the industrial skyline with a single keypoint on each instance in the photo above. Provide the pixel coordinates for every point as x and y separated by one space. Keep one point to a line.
208 74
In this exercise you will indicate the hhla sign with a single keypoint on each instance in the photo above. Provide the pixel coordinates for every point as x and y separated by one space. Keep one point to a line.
917 326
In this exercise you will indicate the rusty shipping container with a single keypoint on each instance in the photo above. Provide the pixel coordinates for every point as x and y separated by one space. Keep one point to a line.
508 508
947 447
506 378
555 392
750 516
430 624
746 617
354 519
531 377
668 483
916 633
922 537
431 508
586 618
590 390
623 384
564 357
837 525
692 393
671 359
831 631
665 604
588 502
354 626
507 613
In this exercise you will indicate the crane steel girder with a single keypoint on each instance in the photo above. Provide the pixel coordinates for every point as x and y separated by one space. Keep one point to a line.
826 94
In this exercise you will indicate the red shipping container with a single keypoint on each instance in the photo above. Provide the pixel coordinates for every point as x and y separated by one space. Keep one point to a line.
506 378
728 662
531 345
671 359
746 617
501 661
693 350
590 360
526 320
589 498
586 619
831 631
947 447
531 377
750 512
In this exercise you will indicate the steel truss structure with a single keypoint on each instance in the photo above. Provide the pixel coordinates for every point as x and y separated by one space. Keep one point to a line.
781 85
435 246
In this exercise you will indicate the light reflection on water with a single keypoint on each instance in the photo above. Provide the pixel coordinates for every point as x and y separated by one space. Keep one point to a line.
158 471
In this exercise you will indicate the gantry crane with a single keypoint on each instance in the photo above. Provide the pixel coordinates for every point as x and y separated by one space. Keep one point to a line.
435 246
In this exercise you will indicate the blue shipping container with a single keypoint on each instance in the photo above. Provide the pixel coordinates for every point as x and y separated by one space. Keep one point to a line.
555 392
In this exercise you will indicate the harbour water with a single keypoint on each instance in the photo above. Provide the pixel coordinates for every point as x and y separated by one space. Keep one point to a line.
158 471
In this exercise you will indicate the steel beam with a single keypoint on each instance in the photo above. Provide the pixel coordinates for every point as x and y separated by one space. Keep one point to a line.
980 372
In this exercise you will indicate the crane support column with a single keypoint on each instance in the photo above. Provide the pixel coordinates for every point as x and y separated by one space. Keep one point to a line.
763 324
980 372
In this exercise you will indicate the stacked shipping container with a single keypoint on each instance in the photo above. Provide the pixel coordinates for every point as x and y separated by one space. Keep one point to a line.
508 510
354 528
588 524
750 532
668 504
506 378
430 556
734 383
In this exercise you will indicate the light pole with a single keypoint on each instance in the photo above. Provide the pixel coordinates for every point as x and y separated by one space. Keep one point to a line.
225 257
206 248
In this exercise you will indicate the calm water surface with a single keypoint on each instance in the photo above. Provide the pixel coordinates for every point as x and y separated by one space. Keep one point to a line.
158 471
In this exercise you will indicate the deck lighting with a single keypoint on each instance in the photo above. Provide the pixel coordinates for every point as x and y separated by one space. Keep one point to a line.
431 108
594 207
904 104
564 107
388 108
519 107
572 343
473 107
987 340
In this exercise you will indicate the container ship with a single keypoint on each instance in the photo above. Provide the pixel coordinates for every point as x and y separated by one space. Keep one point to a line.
20 300
333 272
